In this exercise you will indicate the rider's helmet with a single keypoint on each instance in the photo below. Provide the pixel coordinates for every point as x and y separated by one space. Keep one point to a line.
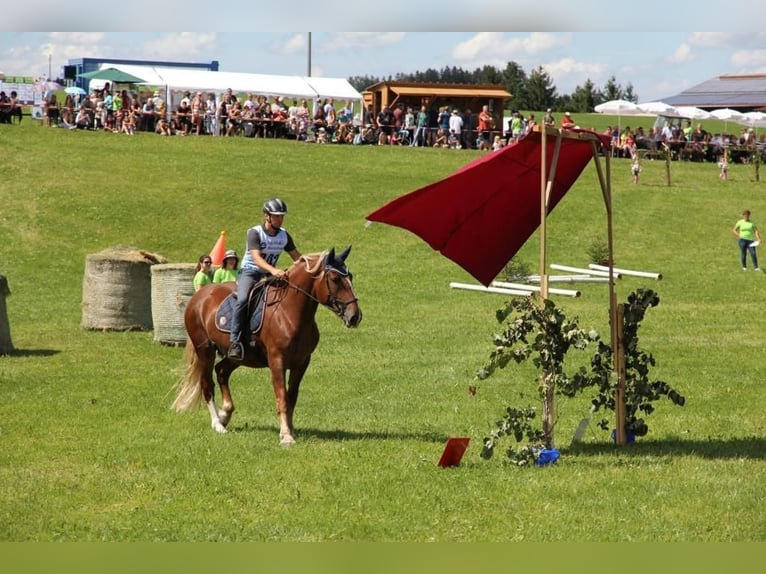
275 206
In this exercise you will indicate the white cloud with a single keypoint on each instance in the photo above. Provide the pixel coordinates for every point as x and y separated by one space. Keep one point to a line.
741 40
749 59
681 54
183 46
294 45
568 73
345 40
487 47
710 39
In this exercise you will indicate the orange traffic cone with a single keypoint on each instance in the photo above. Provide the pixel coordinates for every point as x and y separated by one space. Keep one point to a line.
216 254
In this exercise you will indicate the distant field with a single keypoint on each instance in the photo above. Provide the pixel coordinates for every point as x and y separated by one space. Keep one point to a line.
90 450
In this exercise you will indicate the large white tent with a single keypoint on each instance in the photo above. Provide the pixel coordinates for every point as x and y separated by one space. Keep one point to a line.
179 79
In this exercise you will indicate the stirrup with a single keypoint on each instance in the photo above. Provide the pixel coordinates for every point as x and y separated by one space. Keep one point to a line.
236 352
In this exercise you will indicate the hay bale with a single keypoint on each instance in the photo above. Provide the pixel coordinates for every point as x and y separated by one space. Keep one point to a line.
116 290
6 345
172 287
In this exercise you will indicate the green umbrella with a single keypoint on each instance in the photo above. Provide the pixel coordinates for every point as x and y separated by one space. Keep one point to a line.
112 75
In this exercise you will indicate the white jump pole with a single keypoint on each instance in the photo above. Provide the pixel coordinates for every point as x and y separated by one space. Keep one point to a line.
504 285
581 270
484 289
569 278
649 274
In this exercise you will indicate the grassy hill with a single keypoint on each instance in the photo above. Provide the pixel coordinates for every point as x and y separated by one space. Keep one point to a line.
91 452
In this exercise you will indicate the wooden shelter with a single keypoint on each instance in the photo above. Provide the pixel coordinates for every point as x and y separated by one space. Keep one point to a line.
434 95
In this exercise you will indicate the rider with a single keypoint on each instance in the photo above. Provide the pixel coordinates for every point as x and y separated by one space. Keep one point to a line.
265 244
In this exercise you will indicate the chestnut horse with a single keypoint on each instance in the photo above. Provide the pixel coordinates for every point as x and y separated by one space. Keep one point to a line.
285 342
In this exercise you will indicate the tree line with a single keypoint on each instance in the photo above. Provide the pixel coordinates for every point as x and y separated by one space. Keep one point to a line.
533 91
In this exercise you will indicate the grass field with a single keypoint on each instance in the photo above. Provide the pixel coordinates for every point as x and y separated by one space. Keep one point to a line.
90 451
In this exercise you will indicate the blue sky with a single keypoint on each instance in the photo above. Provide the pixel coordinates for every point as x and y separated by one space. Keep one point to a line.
658 64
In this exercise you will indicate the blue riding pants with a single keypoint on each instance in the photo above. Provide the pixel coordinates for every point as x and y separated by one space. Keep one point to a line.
246 278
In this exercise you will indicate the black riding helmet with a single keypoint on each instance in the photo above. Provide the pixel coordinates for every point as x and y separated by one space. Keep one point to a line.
275 206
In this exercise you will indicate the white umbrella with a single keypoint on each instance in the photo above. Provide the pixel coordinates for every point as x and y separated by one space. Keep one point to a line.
619 108
659 109
693 113
726 114
75 91
753 119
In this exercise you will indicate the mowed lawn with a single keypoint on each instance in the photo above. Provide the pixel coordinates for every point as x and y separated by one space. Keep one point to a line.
90 450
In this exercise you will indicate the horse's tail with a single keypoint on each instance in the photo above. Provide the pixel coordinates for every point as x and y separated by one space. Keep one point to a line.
189 386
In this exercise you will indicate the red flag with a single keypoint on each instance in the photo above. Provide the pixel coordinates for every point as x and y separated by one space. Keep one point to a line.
480 216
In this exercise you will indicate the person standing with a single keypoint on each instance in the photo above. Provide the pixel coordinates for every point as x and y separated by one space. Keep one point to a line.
264 244
419 139
228 269
748 238
456 127
486 124
203 273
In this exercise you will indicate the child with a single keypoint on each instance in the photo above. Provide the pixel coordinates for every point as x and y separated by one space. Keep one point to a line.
128 122
497 143
441 139
635 168
724 165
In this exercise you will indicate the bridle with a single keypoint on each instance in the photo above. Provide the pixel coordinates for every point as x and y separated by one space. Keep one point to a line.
336 305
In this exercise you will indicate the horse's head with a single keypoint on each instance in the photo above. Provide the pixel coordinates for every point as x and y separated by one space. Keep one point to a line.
337 290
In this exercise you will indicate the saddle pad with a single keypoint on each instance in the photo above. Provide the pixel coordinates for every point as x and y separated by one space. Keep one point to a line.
256 306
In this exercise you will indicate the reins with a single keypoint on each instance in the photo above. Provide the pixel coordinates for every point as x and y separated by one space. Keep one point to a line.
334 304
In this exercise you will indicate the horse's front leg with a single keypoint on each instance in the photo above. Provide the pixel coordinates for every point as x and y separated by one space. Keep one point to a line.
293 387
280 394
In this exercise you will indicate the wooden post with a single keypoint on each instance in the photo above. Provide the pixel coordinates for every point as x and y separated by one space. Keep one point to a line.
667 163
619 393
6 345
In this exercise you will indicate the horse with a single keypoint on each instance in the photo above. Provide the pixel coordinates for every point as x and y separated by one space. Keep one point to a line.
285 342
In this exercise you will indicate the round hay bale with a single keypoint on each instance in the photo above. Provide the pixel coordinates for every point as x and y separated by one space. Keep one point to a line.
172 287
116 290
6 345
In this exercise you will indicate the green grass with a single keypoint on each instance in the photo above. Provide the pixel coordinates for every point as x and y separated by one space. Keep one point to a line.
90 451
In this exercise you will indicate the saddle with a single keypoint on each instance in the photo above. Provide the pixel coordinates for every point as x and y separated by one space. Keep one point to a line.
256 304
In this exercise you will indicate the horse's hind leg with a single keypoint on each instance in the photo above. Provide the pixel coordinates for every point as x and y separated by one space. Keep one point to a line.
207 358
223 371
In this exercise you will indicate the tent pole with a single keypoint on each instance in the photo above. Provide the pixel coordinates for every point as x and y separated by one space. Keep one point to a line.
615 325
543 176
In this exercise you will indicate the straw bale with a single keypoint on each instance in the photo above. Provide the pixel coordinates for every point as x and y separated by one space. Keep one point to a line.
116 294
172 287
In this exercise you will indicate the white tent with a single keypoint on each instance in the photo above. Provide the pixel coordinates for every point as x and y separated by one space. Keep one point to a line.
179 79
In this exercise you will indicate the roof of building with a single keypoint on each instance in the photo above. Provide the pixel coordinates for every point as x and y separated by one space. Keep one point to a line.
741 92
442 89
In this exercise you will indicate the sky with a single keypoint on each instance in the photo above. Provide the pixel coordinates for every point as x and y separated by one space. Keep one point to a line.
657 64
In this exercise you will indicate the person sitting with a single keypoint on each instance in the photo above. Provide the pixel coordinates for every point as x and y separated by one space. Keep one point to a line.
183 117
82 120
567 123
162 126
441 139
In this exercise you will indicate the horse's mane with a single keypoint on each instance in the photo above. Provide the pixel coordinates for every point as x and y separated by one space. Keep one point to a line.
312 266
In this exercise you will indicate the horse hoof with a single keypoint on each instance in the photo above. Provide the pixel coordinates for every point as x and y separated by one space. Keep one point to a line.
286 440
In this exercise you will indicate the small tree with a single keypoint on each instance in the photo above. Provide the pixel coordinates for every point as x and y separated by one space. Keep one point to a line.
543 333
640 390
